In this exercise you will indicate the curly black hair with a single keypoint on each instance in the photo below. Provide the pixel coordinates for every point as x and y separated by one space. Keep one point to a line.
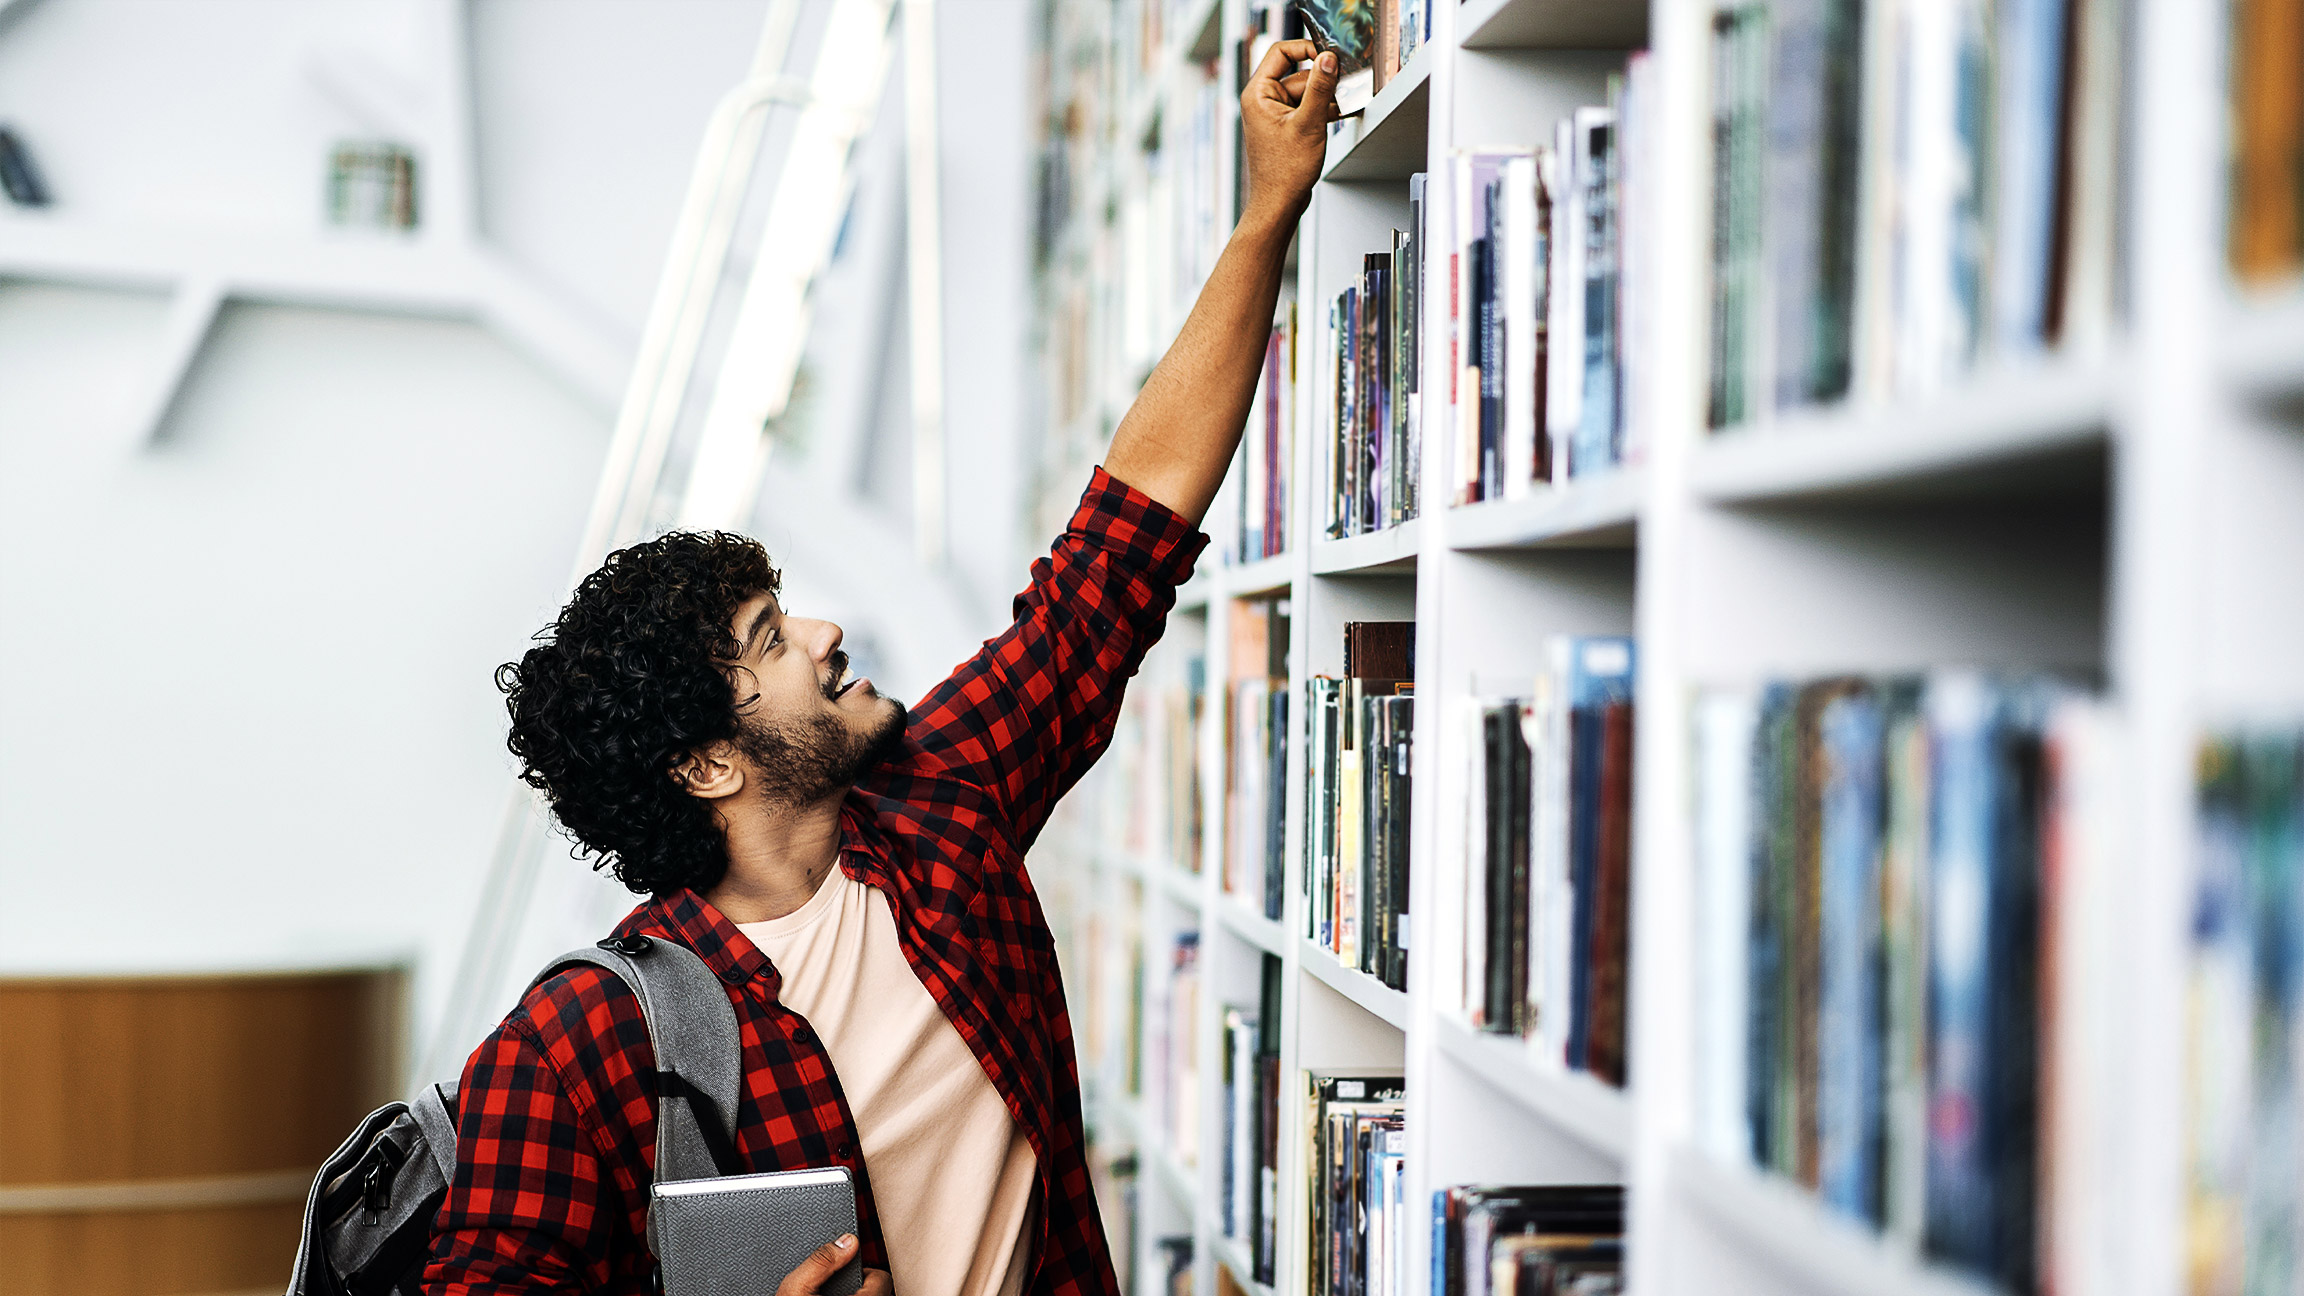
631 677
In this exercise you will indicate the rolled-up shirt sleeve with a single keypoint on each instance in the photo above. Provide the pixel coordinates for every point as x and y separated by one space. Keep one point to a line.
1029 713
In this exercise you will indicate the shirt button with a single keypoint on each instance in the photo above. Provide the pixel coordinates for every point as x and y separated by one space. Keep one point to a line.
847 1152
803 1036
733 976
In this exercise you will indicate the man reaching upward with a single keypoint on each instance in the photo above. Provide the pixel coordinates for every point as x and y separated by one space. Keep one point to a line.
853 873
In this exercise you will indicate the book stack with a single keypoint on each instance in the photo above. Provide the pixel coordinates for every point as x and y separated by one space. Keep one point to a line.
1113 1030
1886 874
1358 1142
1536 321
1375 430
1267 449
1550 1241
1199 227
1256 754
372 184
1903 192
2266 239
1356 820
1252 1124
1181 711
2246 1186
1547 903
1179 1047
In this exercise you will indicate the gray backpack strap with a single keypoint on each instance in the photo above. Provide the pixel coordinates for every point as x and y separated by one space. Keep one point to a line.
698 1054
435 1113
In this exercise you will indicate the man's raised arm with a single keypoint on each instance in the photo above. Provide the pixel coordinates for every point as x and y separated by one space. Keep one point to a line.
1177 439
1033 709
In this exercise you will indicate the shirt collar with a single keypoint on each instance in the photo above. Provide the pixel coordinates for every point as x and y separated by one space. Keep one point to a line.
686 918
689 919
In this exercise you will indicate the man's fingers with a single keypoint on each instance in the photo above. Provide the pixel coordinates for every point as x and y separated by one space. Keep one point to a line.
1293 86
1318 103
1284 55
819 1267
876 1283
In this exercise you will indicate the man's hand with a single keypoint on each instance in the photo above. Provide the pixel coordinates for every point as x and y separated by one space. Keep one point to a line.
1284 120
825 1261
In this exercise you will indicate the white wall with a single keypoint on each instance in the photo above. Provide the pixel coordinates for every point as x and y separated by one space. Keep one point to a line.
245 695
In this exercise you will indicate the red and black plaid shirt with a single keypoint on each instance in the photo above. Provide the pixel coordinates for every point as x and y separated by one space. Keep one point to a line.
558 1127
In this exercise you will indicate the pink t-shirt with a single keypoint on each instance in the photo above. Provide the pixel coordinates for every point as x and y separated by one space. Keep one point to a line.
952 1173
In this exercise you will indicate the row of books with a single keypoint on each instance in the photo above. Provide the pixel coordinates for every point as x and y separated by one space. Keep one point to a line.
1562 1240
372 184
1171 233
1251 1175
2266 238
1111 996
1548 825
1267 449
2245 1193
1885 870
1149 801
1537 321
1356 807
1904 191
1357 1137
1373 40
1178 1050
1256 754
1375 420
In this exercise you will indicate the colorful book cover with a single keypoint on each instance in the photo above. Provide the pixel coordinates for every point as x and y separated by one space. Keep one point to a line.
1848 1020
1599 674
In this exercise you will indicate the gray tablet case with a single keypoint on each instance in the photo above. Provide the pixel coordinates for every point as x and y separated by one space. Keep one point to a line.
739 1235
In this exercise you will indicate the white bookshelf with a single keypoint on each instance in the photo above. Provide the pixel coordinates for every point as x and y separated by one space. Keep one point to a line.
2134 512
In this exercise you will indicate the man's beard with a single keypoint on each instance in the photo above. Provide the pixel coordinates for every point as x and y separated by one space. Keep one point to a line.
802 762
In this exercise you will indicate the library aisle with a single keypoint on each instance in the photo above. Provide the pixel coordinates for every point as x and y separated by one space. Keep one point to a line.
1740 731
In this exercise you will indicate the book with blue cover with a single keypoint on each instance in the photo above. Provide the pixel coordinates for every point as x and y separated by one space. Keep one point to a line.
1848 1111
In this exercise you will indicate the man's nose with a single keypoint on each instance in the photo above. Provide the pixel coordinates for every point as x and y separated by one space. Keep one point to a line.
823 637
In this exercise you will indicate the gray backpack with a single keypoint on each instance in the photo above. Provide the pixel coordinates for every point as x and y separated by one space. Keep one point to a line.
368 1220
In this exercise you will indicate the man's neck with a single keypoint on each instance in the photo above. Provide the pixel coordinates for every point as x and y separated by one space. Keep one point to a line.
777 857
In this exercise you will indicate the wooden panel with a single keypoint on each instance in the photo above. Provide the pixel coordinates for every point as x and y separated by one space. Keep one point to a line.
151 1253
134 1079
146 1081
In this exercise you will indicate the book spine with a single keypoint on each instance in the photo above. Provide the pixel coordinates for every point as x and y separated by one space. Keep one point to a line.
1848 1026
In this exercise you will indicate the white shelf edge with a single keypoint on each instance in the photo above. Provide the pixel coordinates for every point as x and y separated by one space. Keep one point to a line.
1352 159
1170 1168
425 274
1997 417
1194 594
1375 553
1593 1113
1485 24
1182 887
1264 933
2263 347
1584 510
1792 1231
1383 1002
1261 576
1235 1258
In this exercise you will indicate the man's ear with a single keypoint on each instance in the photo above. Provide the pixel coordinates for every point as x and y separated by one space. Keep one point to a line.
710 772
